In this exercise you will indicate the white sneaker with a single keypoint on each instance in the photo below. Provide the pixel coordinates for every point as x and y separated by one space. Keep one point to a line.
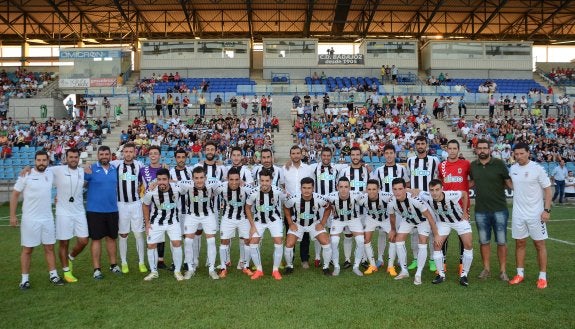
178 276
357 272
189 274
417 280
214 275
402 275
151 276
240 265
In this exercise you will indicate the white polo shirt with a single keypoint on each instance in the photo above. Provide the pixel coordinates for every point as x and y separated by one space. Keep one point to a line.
69 184
528 184
36 189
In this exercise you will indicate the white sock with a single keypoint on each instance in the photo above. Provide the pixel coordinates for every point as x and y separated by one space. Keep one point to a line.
247 255
317 249
467 260
65 269
177 257
326 253
197 247
242 251
123 246
53 273
369 253
381 241
438 258
421 258
414 243
278 251
359 242
25 277
256 258
521 271
392 253
288 255
212 253
430 244
335 250
70 257
347 247
224 249
153 259
402 255
543 275
140 246
189 252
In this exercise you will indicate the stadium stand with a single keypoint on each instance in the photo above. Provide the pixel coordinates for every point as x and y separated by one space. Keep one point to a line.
334 84
511 86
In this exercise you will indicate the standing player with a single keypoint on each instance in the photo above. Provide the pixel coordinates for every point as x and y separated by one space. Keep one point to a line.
245 174
37 220
454 175
385 175
358 175
304 207
421 169
233 197
130 206
446 207
531 210
267 163
70 213
267 201
161 217
201 212
413 213
346 216
181 173
376 202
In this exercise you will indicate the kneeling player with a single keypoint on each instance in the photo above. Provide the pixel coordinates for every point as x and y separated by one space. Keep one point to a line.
445 205
304 207
414 214
163 219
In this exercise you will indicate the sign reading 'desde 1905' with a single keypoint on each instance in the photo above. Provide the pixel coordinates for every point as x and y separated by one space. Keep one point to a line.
341 59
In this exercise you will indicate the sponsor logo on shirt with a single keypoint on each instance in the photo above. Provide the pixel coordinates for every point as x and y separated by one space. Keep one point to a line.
345 212
128 177
453 179
199 199
305 216
167 206
236 204
421 172
264 208
357 183
325 176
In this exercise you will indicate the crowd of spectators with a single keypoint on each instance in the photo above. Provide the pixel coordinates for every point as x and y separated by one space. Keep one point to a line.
22 83
561 75
146 85
439 81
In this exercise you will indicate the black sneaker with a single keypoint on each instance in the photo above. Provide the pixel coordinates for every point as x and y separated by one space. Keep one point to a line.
288 270
364 265
57 281
114 268
162 266
326 271
184 267
438 279
25 285
172 267
463 281
347 264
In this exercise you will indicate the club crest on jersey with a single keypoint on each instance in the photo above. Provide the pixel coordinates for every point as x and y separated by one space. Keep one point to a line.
459 170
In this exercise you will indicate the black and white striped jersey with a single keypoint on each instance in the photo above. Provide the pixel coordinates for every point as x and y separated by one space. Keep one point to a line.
410 210
233 201
447 210
306 212
201 199
278 178
215 174
245 173
128 182
182 175
376 209
344 209
422 171
326 177
358 177
164 209
385 175
267 206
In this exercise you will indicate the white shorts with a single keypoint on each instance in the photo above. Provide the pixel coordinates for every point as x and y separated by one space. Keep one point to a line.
461 227
372 224
157 233
193 222
310 229
347 226
276 229
523 228
422 228
69 226
130 217
34 232
228 228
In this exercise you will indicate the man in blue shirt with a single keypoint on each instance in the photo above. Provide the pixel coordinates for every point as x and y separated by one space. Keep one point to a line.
102 209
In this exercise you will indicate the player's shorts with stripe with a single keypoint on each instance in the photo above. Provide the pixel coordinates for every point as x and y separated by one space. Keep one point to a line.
69 226
303 229
523 228
422 228
131 217
276 229
158 232
461 227
193 222
353 225
228 228
37 231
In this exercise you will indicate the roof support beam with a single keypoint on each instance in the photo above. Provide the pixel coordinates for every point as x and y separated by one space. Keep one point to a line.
11 26
431 16
64 18
186 4
340 16
27 16
308 18
494 13
250 17
550 17
468 18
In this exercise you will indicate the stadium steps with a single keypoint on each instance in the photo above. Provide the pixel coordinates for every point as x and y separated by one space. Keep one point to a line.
283 139
446 130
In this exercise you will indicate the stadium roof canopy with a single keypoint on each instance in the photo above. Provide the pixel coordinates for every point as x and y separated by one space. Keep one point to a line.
112 21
